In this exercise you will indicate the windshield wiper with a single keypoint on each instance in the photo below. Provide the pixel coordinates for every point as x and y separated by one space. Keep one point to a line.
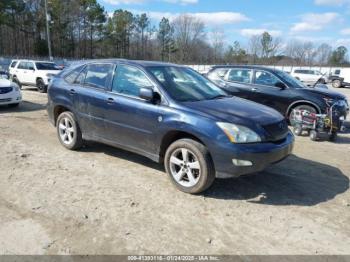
219 97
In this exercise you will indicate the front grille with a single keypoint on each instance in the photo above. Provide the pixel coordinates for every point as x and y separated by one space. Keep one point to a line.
277 131
5 90
5 100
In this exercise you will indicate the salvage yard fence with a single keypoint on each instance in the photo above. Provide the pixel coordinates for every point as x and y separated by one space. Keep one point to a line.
5 63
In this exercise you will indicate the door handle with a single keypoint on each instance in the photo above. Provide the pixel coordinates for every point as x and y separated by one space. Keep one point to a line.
110 101
72 92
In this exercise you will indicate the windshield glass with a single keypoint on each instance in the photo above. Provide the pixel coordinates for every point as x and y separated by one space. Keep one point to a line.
46 66
185 85
290 81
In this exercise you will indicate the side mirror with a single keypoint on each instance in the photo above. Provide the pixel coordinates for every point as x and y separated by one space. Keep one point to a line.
147 93
280 85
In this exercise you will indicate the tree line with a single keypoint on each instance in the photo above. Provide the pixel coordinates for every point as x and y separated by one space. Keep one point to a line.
82 29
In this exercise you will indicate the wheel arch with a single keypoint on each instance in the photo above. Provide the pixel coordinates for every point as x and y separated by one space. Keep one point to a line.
302 102
59 109
172 136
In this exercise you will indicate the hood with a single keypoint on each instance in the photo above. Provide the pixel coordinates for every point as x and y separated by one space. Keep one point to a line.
5 83
237 110
53 72
325 92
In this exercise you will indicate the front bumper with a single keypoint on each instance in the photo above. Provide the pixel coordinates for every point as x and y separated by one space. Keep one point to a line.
13 97
261 155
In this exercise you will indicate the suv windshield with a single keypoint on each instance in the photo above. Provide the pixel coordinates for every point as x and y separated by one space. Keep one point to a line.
47 66
185 85
291 81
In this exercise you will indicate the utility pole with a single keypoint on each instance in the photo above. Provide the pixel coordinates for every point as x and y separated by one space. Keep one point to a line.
48 31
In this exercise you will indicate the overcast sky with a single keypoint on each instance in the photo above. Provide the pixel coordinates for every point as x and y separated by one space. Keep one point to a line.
315 20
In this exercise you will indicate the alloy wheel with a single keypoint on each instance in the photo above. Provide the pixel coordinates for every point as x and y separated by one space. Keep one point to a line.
66 130
185 167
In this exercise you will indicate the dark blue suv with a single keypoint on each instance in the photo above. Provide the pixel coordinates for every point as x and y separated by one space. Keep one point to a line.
170 114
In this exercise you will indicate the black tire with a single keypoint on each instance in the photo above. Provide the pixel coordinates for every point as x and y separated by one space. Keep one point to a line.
333 136
298 130
336 83
206 175
13 105
15 80
77 139
42 88
313 135
321 81
309 108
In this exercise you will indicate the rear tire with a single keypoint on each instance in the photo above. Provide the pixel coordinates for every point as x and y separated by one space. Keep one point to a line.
189 166
41 86
336 83
68 131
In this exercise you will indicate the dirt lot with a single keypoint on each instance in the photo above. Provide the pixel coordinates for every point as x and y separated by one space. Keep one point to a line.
102 200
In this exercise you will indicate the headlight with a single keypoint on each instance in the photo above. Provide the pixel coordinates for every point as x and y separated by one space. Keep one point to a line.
239 134
50 75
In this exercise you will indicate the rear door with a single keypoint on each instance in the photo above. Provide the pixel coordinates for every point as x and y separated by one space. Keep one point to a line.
131 121
21 71
268 91
31 76
240 79
91 98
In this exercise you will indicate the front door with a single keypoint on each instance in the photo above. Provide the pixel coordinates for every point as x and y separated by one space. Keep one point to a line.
130 120
268 91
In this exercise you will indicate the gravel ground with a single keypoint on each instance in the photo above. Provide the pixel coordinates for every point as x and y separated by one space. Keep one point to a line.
103 200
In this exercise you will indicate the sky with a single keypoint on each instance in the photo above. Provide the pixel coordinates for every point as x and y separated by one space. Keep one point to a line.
306 20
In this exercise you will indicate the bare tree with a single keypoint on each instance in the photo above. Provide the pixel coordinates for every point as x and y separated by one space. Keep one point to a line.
217 42
323 53
188 32
254 47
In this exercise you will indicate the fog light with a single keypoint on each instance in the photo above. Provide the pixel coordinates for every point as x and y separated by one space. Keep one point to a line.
238 162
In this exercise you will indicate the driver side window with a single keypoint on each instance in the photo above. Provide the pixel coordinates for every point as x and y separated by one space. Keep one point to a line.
129 80
266 78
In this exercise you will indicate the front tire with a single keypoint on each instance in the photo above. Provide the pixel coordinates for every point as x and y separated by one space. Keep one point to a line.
68 131
41 86
189 166
13 105
16 81
308 108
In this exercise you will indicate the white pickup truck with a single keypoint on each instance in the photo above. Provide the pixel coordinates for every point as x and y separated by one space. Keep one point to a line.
340 77
33 73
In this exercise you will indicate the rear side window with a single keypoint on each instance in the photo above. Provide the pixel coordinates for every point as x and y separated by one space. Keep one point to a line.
23 65
30 66
240 75
98 75
70 77
129 80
